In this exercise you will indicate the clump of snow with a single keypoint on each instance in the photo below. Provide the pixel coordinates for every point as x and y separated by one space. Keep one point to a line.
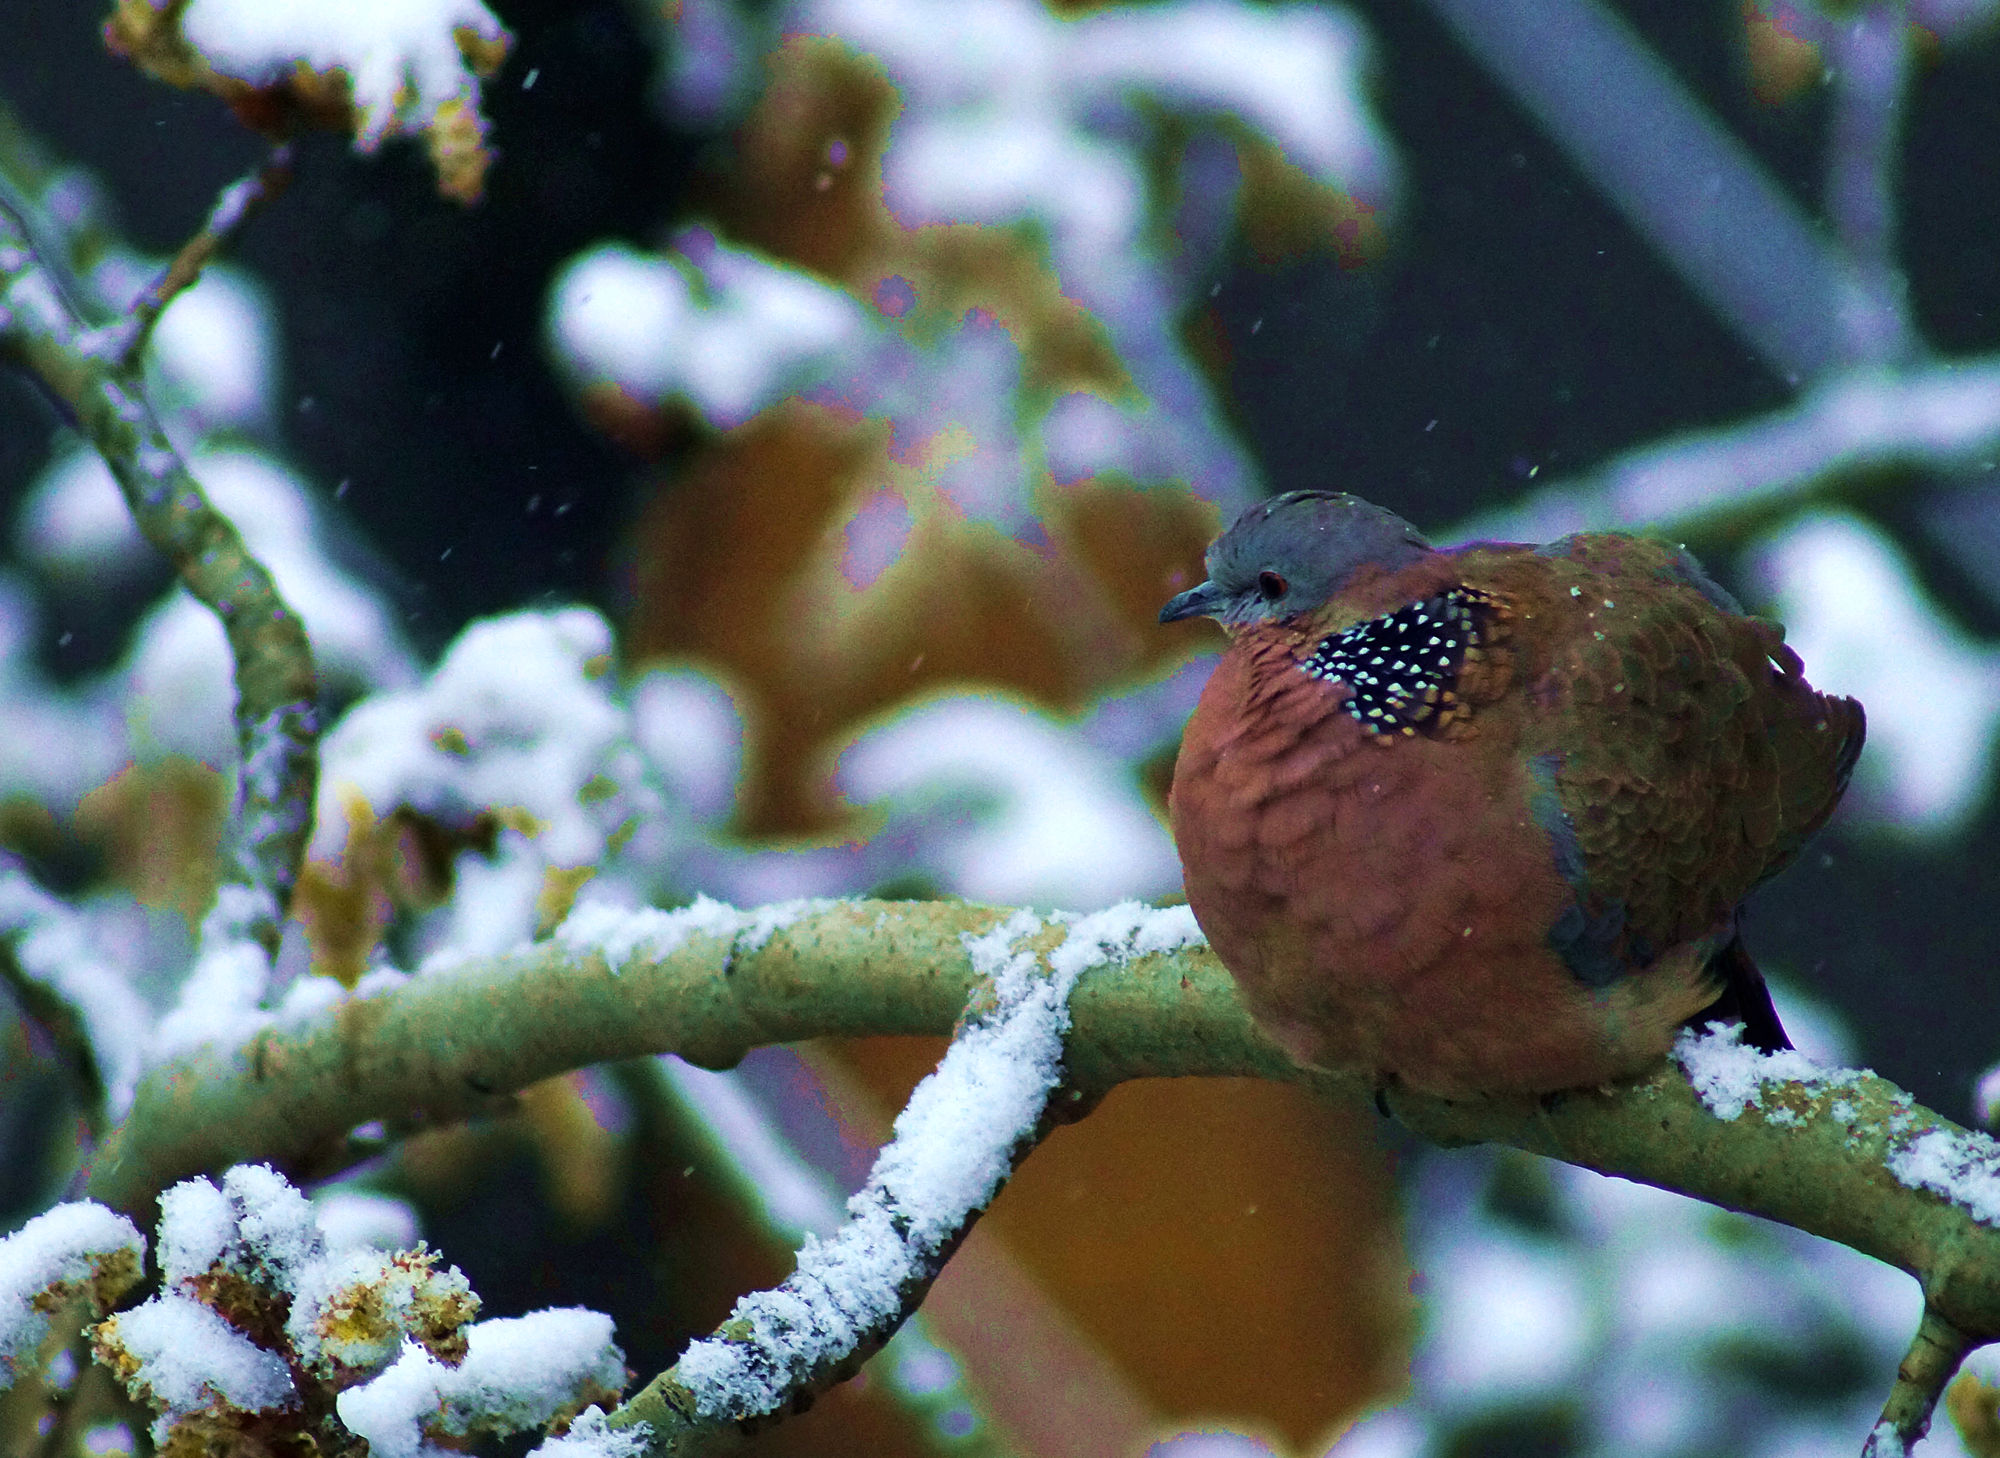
188 1359
954 1143
1012 112
689 727
722 328
1644 1317
1857 615
619 934
519 720
108 1440
388 1331
221 996
55 744
765 922
1510 1318
518 1373
75 1248
74 524
388 1412
1730 1077
178 682
255 1226
1119 933
1295 73
1885 1441
1986 1096
401 57
1022 120
1961 1165
1001 803
346 1313
216 346
213 351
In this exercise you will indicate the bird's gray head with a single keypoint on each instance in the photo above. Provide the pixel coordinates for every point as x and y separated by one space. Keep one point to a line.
1292 553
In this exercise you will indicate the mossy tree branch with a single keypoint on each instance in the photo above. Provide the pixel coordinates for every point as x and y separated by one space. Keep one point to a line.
89 376
459 1041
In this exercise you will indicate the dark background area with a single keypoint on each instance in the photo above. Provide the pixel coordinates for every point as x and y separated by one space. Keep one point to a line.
1517 311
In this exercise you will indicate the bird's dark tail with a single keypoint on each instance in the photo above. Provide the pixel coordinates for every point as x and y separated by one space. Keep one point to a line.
1745 999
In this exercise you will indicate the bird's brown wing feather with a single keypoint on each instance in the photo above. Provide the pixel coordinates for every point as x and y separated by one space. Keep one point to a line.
1688 755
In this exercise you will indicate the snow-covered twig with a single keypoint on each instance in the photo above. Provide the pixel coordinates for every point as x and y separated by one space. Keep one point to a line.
955 1144
1942 417
794 1198
73 1251
276 705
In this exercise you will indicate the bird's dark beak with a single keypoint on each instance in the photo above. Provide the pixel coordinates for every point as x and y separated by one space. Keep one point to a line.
1196 602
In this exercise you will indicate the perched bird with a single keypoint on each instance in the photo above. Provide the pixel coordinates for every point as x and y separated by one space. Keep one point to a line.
1480 821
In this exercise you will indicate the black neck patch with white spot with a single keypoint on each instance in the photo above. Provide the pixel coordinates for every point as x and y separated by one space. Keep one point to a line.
1402 666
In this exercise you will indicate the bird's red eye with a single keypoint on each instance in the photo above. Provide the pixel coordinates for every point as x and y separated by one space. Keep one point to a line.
1270 586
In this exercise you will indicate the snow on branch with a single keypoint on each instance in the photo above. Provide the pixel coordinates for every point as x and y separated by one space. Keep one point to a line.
956 1142
72 989
375 68
1841 1154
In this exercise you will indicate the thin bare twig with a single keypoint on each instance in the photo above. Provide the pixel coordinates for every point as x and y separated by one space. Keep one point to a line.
29 222
126 339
